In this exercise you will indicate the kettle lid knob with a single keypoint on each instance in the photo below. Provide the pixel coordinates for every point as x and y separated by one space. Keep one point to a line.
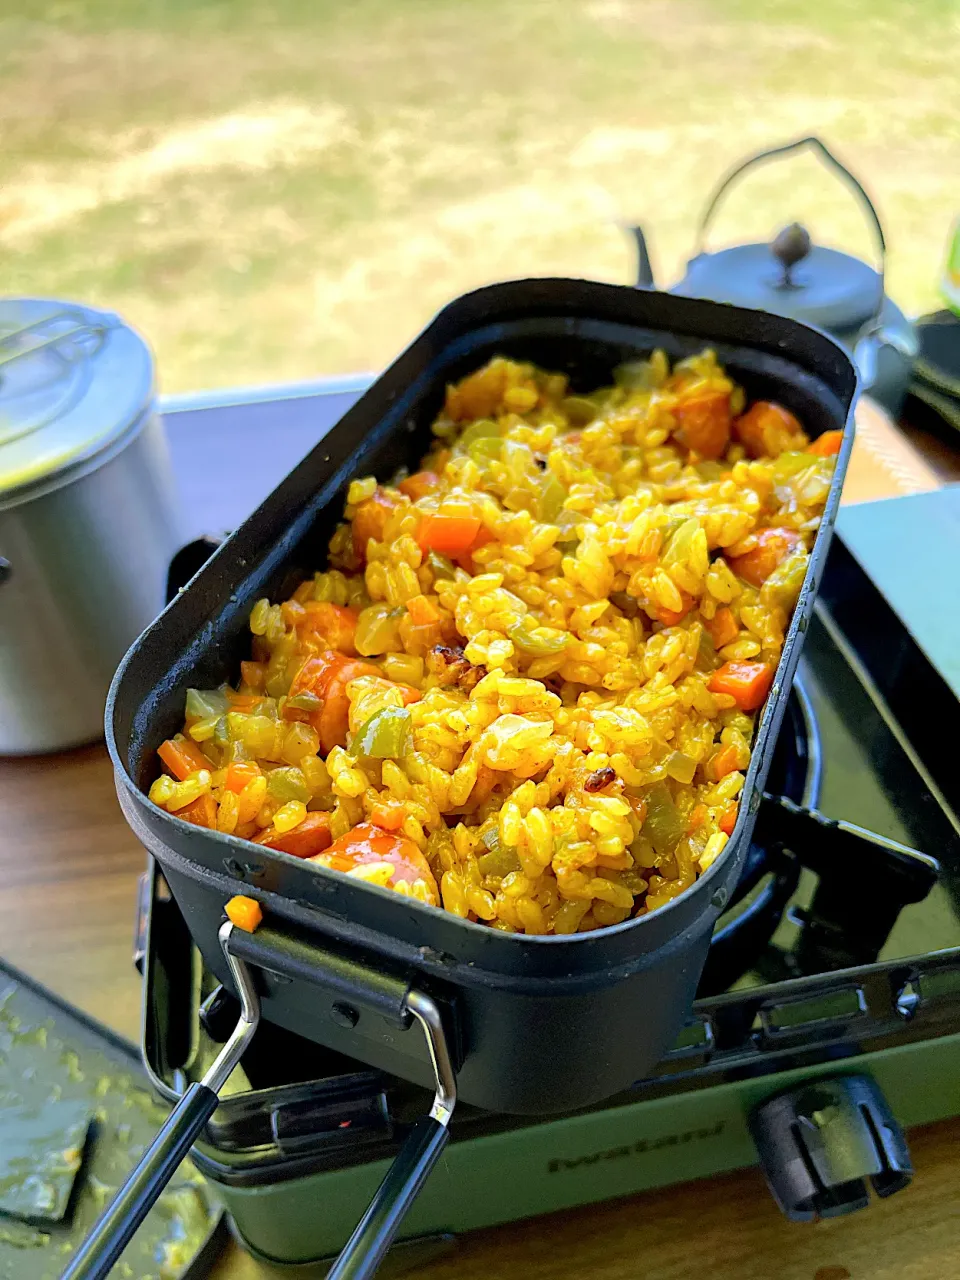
790 246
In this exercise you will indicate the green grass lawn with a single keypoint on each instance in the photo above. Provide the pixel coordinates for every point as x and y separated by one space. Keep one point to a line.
280 190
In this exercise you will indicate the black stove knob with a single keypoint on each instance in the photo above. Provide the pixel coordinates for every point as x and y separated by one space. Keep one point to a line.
824 1144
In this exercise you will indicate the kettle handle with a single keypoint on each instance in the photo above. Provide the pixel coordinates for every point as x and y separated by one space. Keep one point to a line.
832 163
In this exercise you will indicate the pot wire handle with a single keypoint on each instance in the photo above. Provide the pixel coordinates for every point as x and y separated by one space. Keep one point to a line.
115 1227
827 157
374 1233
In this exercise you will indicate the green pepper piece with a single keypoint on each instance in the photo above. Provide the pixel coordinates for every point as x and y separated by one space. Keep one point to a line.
483 428
579 410
306 701
663 826
636 375
567 522
440 566
202 704
501 860
790 464
707 659
387 735
782 589
681 767
484 450
287 784
537 642
552 497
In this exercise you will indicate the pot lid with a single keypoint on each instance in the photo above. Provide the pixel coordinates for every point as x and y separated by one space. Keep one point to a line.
825 287
73 381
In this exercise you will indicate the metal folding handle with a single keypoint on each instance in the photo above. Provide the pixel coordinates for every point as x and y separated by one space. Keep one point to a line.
365 1250
117 1224
831 162
281 952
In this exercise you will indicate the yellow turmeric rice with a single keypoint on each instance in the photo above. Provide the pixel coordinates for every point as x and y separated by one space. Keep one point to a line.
524 688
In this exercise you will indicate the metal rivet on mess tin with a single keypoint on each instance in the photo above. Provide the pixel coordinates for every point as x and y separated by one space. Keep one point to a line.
254 869
234 868
719 899
345 1015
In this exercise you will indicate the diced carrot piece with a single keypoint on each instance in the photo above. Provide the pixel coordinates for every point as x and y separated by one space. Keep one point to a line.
728 819
408 693
723 628
669 617
748 683
478 395
422 612
311 836
773 546
253 674
389 816
370 519
182 756
827 445
239 773
335 624
703 424
766 430
418 484
202 812
722 763
697 817
244 912
450 535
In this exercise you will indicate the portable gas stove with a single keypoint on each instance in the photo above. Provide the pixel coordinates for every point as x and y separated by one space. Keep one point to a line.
828 1019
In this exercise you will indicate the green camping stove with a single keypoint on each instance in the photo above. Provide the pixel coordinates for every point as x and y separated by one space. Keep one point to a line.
828 1019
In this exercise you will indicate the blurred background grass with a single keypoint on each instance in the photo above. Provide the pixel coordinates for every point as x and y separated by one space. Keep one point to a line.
281 190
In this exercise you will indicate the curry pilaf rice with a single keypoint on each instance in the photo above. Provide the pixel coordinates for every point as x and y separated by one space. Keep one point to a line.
525 686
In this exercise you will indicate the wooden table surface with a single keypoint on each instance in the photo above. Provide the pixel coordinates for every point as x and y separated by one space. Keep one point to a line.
68 872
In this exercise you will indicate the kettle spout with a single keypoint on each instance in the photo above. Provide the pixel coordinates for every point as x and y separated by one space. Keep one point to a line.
644 268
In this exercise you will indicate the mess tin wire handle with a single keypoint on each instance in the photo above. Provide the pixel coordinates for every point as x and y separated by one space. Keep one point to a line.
114 1229
365 1250
346 979
281 952
374 1233
827 157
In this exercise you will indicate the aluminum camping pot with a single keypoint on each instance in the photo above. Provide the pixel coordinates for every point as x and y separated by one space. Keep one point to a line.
791 276
88 519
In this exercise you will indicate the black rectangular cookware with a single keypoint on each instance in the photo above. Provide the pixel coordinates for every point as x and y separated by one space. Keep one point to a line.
534 1024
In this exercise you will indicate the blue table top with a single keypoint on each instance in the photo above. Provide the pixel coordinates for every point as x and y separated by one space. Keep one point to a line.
910 549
